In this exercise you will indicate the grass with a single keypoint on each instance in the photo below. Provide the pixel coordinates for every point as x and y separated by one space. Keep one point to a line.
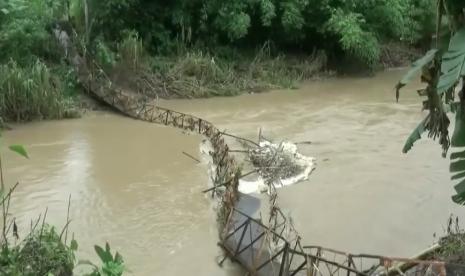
452 246
32 92
41 253
196 73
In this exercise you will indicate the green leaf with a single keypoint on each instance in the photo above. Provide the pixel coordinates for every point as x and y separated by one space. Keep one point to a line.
457 166
4 11
460 196
455 155
451 107
74 245
415 136
415 68
458 136
86 262
458 176
453 62
118 258
104 256
113 269
460 188
19 149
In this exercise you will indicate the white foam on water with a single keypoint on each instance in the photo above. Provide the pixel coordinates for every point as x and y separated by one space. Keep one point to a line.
259 186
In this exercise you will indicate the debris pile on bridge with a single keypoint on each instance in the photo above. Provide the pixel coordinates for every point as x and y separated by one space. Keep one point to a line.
281 163
278 165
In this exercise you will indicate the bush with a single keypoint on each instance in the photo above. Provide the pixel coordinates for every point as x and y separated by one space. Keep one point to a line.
31 92
202 74
41 253
23 30
131 50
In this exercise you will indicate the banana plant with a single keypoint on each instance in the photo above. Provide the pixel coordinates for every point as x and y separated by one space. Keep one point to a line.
443 70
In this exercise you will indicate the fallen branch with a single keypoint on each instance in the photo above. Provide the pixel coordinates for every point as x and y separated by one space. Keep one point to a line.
240 138
240 151
190 156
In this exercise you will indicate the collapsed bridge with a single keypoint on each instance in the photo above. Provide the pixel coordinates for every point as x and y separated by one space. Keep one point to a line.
271 247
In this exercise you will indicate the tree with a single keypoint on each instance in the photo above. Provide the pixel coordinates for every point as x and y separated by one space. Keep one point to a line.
356 28
443 70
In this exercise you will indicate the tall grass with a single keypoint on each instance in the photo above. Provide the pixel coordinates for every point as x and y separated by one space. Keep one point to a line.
32 92
200 74
131 51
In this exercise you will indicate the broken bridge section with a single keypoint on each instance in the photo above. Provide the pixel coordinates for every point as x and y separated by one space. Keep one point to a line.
262 251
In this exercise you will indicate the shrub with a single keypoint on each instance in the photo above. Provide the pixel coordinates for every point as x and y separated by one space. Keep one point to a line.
41 253
31 92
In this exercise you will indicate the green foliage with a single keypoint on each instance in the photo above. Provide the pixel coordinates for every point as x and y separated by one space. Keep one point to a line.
41 253
19 149
292 18
28 88
453 63
131 51
415 136
415 68
443 71
104 55
31 92
451 247
353 39
23 29
200 74
420 22
112 265
268 12
357 27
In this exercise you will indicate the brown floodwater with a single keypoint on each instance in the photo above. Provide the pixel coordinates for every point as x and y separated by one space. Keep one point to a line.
131 185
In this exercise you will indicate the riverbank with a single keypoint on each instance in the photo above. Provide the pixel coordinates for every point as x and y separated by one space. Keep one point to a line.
52 91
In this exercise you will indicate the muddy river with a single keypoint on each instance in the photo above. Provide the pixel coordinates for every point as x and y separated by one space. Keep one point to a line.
131 185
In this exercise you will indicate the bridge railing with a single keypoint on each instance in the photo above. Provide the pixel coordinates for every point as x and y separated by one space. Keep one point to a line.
265 252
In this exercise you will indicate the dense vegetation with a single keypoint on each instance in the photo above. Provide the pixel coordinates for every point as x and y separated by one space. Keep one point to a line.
443 71
354 27
192 48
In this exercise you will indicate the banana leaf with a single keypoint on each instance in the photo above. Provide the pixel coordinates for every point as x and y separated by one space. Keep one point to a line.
415 135
416 67
453 63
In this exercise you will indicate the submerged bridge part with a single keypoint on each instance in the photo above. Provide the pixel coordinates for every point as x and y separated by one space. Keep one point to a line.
262 248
